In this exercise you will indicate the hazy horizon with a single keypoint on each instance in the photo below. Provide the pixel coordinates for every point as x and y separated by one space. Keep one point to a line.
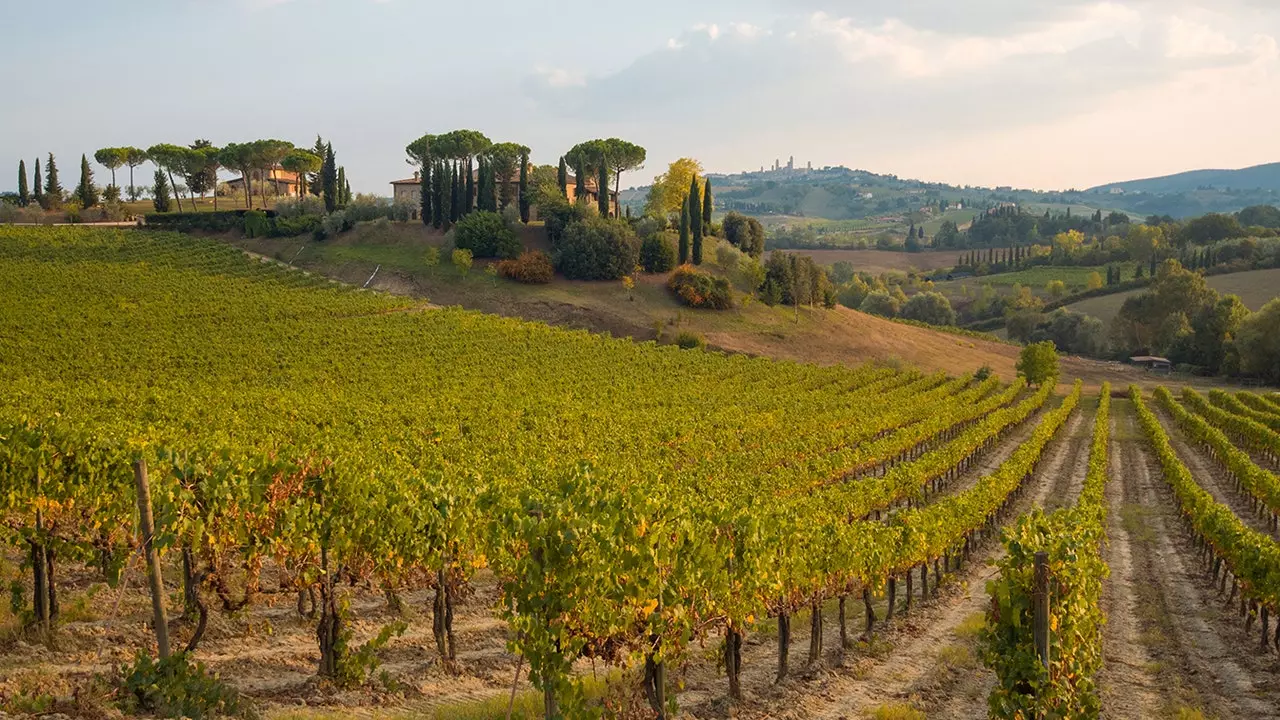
1029 93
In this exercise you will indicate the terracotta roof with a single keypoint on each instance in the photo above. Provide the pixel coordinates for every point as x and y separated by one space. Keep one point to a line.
408 181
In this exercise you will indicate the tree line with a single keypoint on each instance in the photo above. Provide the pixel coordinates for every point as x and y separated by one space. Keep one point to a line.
197 166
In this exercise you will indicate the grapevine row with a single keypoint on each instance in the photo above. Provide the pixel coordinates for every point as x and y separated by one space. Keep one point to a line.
1072 540
1252 558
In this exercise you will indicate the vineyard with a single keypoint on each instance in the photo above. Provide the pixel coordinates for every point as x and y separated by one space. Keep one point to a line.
336 498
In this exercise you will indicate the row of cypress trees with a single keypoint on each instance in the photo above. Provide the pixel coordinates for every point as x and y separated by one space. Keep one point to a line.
695 221
48 192
450 189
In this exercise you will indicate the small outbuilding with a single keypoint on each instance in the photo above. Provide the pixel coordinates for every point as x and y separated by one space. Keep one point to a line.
1152 363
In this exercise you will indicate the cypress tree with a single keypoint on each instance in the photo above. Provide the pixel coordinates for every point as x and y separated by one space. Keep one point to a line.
455 193
524 188
695 214
579 183
85 191
329 179
52 188
425 192
160 192
468 203
706 203
38 184
24 194
344 189
437 191
602 190
684 233
562 177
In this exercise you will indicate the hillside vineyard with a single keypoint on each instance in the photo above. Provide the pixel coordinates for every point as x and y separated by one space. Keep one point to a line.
631 500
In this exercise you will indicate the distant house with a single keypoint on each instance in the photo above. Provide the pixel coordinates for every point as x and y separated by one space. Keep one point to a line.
1152 363
279 182
408 190
590 193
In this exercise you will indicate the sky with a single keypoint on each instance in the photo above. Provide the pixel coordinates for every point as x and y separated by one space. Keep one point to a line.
1049 94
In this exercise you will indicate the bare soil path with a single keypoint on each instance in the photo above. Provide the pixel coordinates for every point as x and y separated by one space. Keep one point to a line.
1169 646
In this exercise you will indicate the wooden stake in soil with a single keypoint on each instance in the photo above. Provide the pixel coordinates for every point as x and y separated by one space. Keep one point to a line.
1040 601
153 558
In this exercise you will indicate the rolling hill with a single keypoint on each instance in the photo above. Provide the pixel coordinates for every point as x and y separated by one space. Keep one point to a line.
1258 177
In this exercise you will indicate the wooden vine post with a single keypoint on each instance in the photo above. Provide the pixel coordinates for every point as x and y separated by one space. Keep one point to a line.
153 558
1040 605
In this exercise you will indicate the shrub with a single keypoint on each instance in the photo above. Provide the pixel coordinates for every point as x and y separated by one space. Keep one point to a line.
533 266
689 340
558 213
597 249
178 688
929 307
701 290
294 226
727 256
880 303
256 224
462 260
212 222
486 234
657 253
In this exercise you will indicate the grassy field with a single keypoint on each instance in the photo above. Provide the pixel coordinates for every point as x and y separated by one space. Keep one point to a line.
1254 287
883 261
825 337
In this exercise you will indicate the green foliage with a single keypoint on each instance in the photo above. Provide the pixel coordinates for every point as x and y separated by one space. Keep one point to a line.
486 235
684 234
1073 539
929 307
462 259
1258 343
699 289
160 192
533 267
1211 228
690 340
798 279
176 687
211 222
37 193
695 221
558 213
86 192
597 249
52 187
256 224
879 302
745 233
329 179
657 253
706 204
1038 363
24 194
1267 216
525 200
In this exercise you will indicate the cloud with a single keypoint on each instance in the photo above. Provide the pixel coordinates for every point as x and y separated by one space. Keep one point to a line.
842 86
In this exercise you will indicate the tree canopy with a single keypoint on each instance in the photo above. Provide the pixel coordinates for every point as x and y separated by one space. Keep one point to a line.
671 189
1038 362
